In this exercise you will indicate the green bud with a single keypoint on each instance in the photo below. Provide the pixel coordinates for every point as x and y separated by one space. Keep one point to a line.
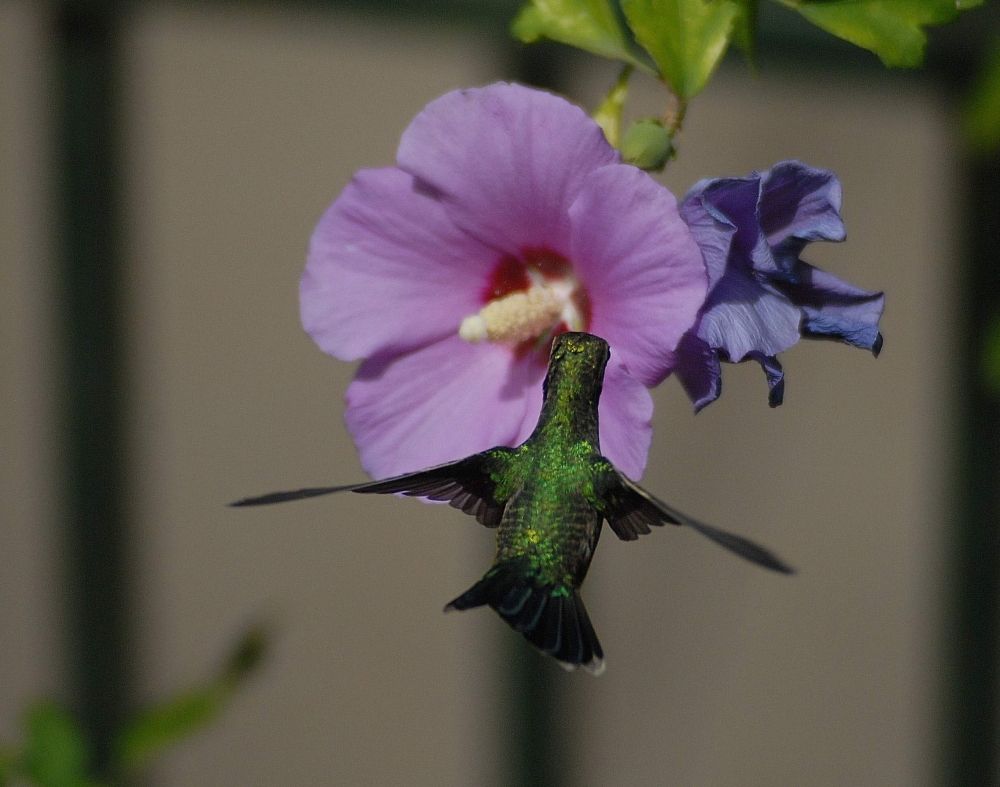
647 145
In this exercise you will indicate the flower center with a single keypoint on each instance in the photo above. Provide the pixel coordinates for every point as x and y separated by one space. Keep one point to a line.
529 299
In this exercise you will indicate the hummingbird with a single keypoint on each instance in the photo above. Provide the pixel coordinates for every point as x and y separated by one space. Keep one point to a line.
547 499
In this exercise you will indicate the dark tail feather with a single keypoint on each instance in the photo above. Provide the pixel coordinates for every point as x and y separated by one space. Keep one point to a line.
553 619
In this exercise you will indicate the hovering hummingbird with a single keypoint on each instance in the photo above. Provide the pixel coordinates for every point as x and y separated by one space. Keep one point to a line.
547 499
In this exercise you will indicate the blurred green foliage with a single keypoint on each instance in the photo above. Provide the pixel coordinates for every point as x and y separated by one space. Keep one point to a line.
990 366
55 751
55 754
982 110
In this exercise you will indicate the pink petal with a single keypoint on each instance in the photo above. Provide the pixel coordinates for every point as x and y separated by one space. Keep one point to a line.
507 162
388 271
640 265
624 413
433 405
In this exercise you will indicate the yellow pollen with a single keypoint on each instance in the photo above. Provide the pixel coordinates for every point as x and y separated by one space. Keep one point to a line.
515 318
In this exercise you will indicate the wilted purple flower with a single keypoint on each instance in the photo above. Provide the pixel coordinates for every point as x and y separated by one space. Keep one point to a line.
762 297
508 219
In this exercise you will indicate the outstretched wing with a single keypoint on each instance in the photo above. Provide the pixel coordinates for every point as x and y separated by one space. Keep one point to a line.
630 510
292 494
469 484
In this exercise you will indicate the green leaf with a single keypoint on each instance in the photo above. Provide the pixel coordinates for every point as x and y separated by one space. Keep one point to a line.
686 38
892 29
982 112
56 753
591 25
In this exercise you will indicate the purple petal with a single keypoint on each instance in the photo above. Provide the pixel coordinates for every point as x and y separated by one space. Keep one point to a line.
743 317
834 309
624 414
433 405
734 202
388 271
712 231
640 266
699 371
775 377
762 297
506 161
800 204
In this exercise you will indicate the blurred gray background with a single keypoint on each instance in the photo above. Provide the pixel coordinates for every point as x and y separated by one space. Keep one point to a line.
243 124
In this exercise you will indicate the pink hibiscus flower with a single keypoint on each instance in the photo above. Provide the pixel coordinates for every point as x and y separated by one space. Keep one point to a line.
508 220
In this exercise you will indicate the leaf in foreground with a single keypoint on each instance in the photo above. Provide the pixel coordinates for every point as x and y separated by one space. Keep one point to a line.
892 29
686 38
591 25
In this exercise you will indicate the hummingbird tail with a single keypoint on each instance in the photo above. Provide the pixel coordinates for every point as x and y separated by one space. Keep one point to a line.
552 618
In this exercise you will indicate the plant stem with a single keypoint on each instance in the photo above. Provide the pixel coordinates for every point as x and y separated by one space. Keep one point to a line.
609 114
673 114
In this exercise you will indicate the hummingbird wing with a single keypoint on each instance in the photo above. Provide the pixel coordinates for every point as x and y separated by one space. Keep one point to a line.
291 494
468 485
630 510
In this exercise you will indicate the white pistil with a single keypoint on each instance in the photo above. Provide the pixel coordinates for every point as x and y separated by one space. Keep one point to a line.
515 318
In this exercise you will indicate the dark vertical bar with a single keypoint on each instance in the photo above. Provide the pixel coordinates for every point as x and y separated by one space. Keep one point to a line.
972 629
538 734
538 739
88 234
971 748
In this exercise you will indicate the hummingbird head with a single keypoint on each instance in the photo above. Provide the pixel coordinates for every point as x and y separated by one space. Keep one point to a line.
576 368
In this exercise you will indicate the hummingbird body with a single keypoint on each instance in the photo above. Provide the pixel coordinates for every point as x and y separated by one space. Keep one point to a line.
551 522
551 518
548 499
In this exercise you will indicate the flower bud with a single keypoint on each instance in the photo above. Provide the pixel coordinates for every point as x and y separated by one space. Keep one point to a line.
647 145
